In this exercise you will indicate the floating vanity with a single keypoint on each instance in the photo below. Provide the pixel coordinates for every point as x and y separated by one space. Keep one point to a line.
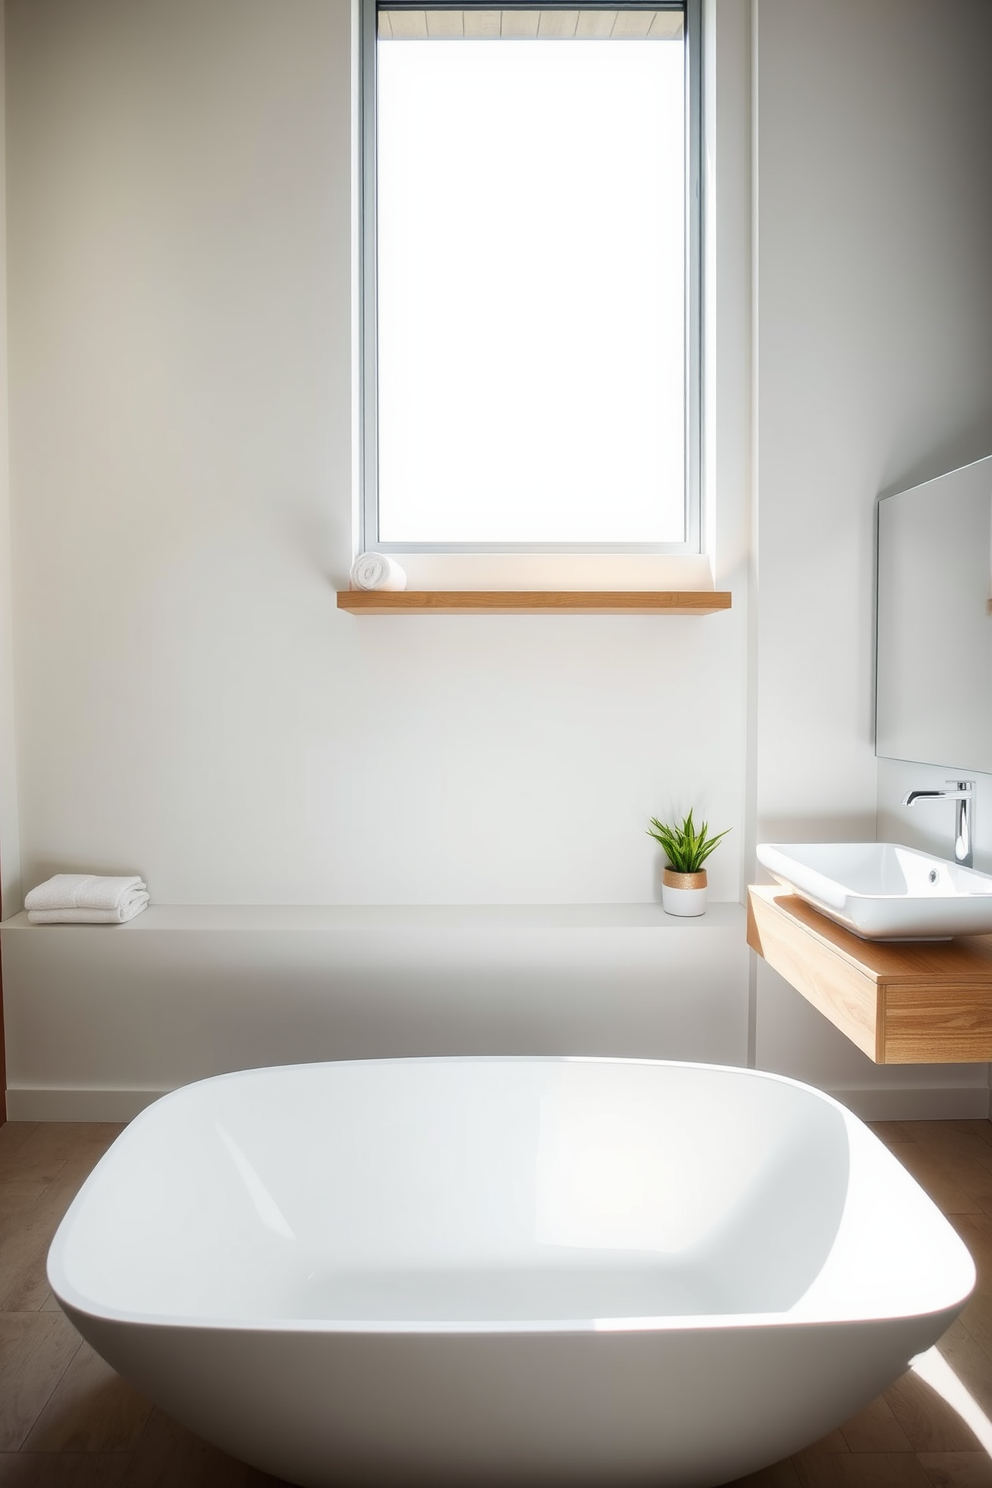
922 1002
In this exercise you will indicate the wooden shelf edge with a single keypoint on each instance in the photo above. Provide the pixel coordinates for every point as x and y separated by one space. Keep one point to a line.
844 994
533 601
899 1003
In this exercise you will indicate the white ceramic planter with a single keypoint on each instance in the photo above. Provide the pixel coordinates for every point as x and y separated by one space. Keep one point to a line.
683 893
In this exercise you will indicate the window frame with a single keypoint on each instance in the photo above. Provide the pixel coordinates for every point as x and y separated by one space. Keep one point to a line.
369 540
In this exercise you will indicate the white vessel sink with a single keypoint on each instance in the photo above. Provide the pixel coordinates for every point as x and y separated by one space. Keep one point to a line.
883 891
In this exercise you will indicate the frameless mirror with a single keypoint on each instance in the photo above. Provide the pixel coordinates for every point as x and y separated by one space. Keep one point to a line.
933 689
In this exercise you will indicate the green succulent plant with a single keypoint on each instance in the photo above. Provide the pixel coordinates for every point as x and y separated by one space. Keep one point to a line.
686 847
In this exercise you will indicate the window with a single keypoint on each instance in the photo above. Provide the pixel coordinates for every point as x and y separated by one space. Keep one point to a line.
531 337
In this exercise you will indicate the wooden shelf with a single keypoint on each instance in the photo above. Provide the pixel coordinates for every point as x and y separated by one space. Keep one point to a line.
916 1002
533 601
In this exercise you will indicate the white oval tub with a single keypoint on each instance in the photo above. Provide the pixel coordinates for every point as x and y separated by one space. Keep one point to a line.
466 1271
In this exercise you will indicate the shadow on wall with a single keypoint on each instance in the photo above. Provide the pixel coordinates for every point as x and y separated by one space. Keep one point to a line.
969 445
857 826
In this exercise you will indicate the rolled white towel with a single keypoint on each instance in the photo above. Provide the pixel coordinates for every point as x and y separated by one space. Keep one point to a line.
377 571
89 893
89 916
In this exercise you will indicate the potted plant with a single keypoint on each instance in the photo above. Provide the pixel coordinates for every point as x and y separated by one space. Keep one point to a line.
683 883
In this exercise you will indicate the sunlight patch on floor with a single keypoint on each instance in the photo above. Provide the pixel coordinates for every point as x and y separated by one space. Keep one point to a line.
935 1371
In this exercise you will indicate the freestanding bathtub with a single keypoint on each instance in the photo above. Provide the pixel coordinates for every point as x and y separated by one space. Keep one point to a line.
480 1271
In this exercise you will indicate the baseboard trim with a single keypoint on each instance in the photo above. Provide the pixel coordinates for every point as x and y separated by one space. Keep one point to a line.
899 1103
920 1103
78 1105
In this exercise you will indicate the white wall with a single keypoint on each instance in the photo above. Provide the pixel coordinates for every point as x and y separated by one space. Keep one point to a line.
874 303
10 885
190 704
929 825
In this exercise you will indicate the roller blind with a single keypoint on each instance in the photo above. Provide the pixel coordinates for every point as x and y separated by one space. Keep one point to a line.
403 23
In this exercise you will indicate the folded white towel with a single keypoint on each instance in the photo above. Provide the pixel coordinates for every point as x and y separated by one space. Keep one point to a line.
377 571
88 916
85 894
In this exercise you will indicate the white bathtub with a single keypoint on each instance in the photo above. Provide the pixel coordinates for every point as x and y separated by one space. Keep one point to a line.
467 1271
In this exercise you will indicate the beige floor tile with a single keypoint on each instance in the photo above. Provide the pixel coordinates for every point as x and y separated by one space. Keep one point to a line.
861 1470
976 1232
875 1429
21 1192
73 1470
890 1132
20 1196
24 1246
945 1136
930 1423
35 1349
80 1141
985 1157
23 1284
169 1456
977 1318
956 1332
834 1441
930 1171
91 1410
14 1134
973 1177
779 1475
974 1126
957 1469
971 1364
17 1168
978 1238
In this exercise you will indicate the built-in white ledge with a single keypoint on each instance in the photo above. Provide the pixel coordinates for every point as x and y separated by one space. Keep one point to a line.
430 917
101 1019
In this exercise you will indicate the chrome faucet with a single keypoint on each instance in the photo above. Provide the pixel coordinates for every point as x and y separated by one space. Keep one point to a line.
964 818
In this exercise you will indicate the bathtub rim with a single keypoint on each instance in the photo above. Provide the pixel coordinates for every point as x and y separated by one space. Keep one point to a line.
75 1302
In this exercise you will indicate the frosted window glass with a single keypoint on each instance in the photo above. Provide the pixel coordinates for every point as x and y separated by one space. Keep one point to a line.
531 291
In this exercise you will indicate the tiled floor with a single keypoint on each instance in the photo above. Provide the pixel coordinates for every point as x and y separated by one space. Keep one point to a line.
67 1421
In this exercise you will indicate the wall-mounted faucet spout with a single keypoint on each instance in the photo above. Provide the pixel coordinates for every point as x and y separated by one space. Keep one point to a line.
964 822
